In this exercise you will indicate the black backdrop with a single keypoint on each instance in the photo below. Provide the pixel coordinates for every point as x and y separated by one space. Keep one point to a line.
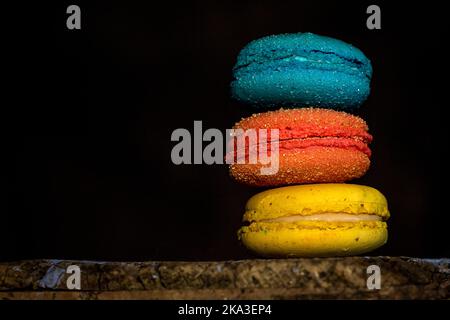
89 114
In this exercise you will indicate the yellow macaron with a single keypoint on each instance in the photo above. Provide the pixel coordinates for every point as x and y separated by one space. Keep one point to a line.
315 220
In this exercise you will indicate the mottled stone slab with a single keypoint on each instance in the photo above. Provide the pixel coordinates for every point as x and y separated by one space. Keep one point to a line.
320 278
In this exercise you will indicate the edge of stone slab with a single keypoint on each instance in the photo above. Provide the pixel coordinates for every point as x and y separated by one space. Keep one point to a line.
403 277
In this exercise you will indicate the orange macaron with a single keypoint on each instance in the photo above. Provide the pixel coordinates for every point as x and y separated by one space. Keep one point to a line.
313 146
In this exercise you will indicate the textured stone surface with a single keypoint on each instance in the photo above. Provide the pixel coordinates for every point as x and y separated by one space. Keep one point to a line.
327 278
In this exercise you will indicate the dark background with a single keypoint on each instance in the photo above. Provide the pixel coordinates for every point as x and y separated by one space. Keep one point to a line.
89 114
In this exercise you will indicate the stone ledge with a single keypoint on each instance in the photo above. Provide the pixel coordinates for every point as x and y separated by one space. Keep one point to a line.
318 278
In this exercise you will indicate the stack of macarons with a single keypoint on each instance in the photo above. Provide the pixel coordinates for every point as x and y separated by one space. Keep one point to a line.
308 83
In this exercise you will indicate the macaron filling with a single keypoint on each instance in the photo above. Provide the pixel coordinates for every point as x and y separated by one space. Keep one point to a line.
292 140
336 142
307 60
326 217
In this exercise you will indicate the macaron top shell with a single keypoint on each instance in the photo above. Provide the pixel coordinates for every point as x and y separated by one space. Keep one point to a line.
301 69
305 118
315 199
303 47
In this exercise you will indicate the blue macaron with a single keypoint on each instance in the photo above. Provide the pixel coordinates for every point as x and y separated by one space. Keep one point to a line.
301 69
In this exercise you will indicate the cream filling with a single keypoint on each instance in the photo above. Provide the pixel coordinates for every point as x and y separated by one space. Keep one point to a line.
328 217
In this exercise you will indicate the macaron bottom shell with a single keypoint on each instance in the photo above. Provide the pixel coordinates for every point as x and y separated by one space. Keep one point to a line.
313 239
309 165
298 87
